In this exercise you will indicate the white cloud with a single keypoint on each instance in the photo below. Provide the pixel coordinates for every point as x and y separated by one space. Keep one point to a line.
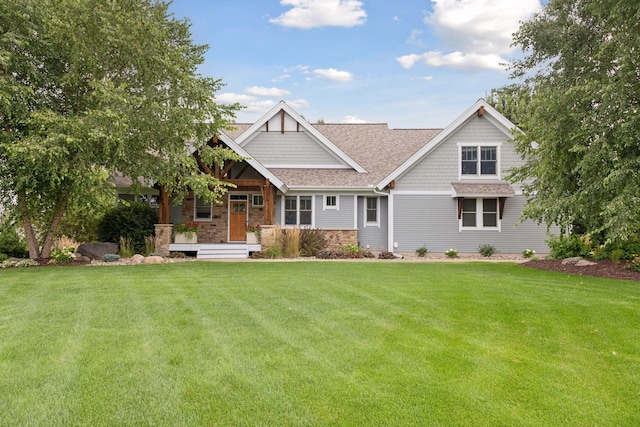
265 91
408 61
470 61
477 33
333 74
353 120
232 98
307 14
414 38
425 78
298 103
280 78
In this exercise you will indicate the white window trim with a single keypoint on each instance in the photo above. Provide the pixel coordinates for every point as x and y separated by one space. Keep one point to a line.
327 207
297 224
371 223
253 196
479 176
479 217
195 210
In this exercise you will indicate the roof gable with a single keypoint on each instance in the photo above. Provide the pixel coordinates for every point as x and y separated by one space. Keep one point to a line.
284 118
481 108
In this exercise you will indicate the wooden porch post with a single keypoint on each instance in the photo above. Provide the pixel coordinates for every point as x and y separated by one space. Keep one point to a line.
164 213
269 202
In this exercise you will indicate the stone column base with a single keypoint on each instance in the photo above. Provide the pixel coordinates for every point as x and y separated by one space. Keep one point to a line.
163 238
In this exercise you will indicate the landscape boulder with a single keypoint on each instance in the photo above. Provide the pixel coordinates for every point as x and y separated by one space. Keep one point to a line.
137 259
153 260
97 250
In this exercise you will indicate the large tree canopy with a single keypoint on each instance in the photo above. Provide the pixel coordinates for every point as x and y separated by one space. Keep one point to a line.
582 123
89 86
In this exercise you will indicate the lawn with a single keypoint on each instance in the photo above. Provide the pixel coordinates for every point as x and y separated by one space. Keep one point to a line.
317 343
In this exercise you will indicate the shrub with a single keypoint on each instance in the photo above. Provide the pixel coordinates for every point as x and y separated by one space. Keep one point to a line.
312 241
486 250
135 222
126 248
62 255
634 264
569 246
3 257
619 250
291 243
149 245
528 253
111 258
451 253
422 251
11 244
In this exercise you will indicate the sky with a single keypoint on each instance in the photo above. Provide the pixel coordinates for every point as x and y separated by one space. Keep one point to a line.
408 63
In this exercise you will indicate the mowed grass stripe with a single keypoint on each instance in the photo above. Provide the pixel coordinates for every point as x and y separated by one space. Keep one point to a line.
317 344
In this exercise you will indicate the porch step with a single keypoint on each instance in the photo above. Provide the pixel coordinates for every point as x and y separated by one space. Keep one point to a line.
226 251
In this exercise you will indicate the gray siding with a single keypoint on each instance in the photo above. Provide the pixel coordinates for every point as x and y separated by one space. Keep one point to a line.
431 221
373 236
335 219
439 168
289 148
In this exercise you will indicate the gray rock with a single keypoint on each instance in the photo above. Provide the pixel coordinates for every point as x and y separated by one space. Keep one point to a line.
584 263
572 261
82 258
97 250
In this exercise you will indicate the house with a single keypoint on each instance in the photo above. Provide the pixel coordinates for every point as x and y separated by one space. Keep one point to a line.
383 189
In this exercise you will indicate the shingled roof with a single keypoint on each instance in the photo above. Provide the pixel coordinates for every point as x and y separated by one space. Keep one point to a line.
375 146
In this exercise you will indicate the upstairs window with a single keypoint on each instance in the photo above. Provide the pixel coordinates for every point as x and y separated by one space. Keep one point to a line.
479 160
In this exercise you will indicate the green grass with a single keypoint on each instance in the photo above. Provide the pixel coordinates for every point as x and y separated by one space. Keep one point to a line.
324 343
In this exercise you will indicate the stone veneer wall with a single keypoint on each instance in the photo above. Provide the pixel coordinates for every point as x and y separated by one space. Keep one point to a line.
337 238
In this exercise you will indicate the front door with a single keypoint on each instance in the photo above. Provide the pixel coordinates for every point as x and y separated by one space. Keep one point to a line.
237 221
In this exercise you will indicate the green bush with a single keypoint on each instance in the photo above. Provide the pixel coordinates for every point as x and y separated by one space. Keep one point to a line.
421 252
616 251
11 244
570 246
486 250
62 256
3 257
634 264
134 222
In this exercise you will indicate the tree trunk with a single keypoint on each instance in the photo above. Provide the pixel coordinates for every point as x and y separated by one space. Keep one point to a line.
34 248
55 223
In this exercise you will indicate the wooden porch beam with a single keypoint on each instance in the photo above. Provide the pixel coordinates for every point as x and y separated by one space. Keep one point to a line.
227 169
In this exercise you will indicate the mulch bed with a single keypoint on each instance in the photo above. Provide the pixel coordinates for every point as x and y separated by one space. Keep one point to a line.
603 268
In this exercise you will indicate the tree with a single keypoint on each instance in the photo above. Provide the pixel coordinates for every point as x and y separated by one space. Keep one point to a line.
95 86
582 122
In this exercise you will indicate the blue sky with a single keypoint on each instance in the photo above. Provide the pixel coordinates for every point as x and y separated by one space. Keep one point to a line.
409 63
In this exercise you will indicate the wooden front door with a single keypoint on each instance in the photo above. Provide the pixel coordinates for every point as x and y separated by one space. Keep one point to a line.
237 221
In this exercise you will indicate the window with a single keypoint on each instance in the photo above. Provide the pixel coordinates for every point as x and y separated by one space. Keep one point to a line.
469 213
202 210
479 213
479 160
298 210
257 200
371 214
489 212
330 202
